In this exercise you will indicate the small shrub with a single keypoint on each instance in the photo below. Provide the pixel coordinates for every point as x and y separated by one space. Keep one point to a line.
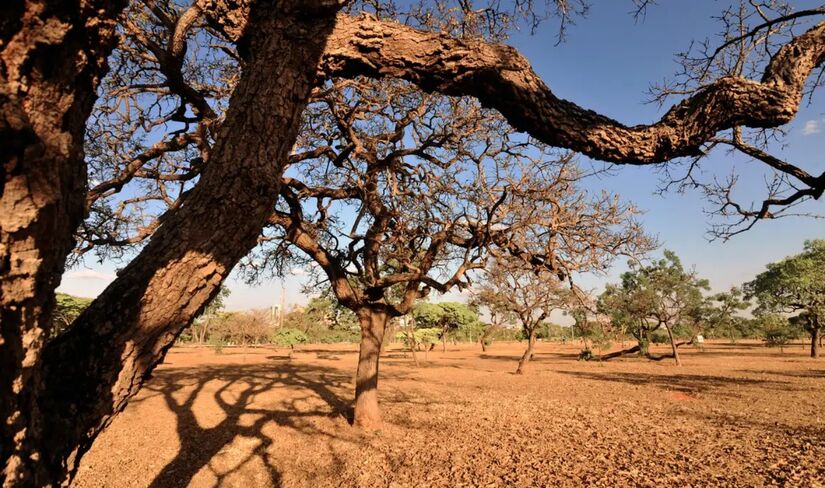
288 337
217 343
586 355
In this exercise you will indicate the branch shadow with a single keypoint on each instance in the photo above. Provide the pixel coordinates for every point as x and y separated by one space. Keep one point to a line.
684 383
244 413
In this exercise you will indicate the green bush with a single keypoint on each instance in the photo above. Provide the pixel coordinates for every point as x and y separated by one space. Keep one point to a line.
333 336
288 337
218 343
586 355
659 337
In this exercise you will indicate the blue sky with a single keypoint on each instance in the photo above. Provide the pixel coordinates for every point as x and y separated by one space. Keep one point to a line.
607 64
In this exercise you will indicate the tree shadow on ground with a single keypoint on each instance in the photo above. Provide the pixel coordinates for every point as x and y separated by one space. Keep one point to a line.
812 373
244 413
685 383
538 357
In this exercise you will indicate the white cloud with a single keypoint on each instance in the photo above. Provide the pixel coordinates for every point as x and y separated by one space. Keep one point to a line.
810 127
298 272
88 274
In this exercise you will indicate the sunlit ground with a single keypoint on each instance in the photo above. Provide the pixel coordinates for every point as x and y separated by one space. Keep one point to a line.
742 414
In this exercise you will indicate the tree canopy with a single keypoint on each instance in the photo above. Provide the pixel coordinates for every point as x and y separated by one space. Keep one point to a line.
795 285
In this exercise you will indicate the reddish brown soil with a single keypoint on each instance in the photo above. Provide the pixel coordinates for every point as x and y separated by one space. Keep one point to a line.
739 415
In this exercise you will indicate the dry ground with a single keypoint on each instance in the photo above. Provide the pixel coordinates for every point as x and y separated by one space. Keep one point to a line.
739 415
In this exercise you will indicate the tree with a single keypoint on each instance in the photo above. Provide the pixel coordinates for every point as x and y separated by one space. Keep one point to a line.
446 316
723 317
795 284
67 309
200 327
396 193
531 295
52 57
662 294
776 330
151 301
595 328
289 338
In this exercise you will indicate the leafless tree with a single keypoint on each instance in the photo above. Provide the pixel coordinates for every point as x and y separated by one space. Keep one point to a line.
393 193
531 295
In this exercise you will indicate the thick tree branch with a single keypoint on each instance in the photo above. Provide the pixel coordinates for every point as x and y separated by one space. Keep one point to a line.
503 79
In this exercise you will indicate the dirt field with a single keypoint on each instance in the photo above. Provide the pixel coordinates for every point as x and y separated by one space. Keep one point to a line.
739 415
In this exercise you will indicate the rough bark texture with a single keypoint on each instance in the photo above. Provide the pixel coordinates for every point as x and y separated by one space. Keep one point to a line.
503 79
674 347
91 371
815 340
367 412
52 56
528 353
623 352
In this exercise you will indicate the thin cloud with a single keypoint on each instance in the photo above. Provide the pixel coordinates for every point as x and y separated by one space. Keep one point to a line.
810 127
88 274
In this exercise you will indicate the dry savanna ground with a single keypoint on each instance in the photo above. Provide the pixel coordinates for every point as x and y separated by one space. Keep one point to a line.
733 415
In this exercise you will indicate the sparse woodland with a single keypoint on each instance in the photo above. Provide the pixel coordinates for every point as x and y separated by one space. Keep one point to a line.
397 149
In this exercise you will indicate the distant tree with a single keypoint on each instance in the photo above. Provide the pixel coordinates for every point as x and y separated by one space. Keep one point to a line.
596 331
649 297
795 285
723 318
201 326
499 319
67 308
449 317
287 337
393 193
241 328
530 295
776 330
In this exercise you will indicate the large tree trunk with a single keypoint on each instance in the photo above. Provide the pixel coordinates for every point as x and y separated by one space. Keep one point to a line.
528 353
367 412
815 341
52 56
92 370
673 345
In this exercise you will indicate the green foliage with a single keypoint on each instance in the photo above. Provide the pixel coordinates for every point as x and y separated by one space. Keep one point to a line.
660 294
332 336
325 311
777 330
67 309
445 315
723 319
217 303
288 337
218 343
587 355
549 330
448 318
794 284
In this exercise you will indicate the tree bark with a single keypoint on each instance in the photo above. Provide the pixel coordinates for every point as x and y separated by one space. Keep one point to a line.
501 78
673 345
528 353
615 354
815 332
92 371
367 412
52 56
